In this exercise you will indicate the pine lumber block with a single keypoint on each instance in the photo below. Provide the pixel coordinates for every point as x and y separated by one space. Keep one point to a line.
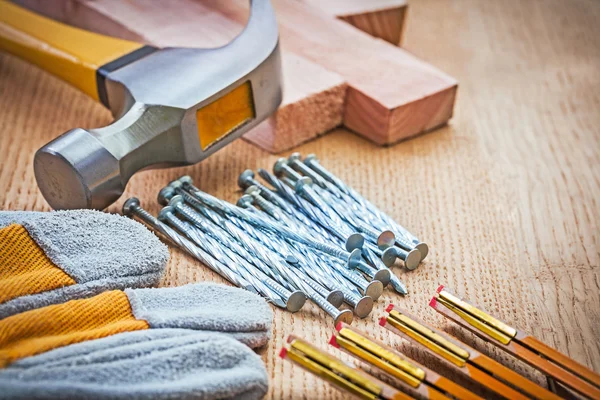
313 100
392 95
383 19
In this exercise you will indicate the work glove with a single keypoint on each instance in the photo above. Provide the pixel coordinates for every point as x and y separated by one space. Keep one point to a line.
135 343
146 364
52 257
233 312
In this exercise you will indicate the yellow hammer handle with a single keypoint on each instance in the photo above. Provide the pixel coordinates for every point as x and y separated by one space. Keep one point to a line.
74 55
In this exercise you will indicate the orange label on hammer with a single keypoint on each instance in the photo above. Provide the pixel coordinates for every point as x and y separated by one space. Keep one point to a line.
221 117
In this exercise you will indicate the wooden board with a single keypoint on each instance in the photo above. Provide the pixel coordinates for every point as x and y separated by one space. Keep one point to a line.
507 195
313 96
382 19
392 95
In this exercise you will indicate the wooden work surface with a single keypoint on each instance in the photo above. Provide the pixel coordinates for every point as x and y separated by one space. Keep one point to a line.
506 195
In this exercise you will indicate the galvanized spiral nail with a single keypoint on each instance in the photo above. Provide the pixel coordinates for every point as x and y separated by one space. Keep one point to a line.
132 208
212 248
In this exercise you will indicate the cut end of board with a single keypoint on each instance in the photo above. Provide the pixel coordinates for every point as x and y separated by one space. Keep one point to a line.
386 126
297 123
313 104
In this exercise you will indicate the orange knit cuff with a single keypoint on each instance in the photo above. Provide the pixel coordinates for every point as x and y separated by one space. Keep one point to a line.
24 267
43 329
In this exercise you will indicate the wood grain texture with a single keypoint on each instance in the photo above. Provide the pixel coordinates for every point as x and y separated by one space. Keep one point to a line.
313 100
507 195
382 19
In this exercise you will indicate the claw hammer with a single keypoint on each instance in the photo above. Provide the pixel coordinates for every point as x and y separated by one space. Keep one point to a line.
172 106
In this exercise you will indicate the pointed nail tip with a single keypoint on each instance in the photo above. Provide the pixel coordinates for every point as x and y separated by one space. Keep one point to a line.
400 289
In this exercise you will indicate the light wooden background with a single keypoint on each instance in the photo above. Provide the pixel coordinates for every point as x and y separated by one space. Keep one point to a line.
507 194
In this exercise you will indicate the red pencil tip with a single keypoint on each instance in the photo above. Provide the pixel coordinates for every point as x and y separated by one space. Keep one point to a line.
339 326
334 342
433 302
439 289
283 352
383 321
389 308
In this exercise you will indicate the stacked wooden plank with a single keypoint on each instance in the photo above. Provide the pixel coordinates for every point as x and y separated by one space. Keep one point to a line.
334 73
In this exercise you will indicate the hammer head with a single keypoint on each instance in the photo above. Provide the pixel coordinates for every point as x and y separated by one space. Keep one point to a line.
173 107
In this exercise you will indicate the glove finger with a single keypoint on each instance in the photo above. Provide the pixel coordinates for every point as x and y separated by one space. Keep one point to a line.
165 363
202 306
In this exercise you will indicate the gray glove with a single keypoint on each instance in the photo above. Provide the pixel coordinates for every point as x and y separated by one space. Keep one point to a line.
148 364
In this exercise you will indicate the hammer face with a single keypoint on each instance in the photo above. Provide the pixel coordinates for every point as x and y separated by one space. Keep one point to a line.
76 171
90 168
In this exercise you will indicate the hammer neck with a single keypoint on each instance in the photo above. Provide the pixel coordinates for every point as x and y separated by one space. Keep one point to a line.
144 137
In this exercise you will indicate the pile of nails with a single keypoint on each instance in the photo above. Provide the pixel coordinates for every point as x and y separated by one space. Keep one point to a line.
302 234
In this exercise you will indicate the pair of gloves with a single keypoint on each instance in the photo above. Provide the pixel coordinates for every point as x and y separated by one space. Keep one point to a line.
77 322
